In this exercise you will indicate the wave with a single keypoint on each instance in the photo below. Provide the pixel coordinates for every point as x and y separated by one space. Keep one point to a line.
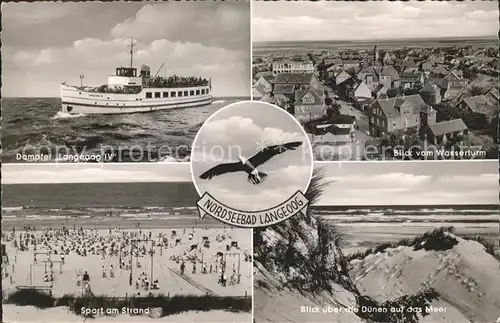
65 115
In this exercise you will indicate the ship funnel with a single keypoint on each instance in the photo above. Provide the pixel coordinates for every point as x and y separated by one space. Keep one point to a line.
145 74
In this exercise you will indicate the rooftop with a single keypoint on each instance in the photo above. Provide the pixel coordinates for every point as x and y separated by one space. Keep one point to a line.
445 127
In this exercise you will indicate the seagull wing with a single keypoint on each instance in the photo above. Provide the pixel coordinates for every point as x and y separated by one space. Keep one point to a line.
222 169
269 152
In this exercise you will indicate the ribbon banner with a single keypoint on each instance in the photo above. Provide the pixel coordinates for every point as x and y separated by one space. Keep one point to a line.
208 205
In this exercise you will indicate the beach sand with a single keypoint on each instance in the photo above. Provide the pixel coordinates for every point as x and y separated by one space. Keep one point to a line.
13 313
166 269
464 277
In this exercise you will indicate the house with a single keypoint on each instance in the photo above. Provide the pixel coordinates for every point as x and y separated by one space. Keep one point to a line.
441 132
309 104
369 76
379 91
266 74
258 92
284 94
408 67
337 129
434 90
341 76
493 95
299 79
336 61
348 64
291 66
389 77
411 80
389 58
479 104
426 66
456 79
360 91
439 70
389 115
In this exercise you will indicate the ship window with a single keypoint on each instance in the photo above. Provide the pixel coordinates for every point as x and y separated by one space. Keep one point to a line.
179 93
165 94
157 94
186 93
148 95
191 92
197 92
172 94
203 91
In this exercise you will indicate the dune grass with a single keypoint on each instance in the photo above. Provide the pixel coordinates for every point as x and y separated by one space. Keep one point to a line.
488 245
169 305
405 309
437 239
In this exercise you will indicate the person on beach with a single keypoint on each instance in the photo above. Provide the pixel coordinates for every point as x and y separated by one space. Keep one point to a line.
62 259
204 267
194 268
183 266
86 277
112 271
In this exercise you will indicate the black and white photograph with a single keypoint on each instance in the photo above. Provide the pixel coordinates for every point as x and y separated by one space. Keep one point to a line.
120 81
117 242
383 80
385 242
251 156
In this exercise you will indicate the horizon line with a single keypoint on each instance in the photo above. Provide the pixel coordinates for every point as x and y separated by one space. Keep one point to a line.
495 36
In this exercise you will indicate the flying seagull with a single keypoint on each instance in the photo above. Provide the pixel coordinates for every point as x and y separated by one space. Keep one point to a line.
250 165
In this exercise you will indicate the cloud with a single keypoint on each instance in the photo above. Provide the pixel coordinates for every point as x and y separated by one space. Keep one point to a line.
239 129
212 24
337 20
218 49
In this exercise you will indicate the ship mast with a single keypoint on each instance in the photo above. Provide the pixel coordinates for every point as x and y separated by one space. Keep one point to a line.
132 52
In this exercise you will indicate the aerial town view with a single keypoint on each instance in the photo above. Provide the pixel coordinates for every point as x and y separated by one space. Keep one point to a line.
374 87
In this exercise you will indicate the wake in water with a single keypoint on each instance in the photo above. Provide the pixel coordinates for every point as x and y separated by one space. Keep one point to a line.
65 115
218 102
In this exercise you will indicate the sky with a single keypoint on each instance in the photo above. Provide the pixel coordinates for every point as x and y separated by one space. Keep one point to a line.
44 44
350 183
243 129
410 183
339 20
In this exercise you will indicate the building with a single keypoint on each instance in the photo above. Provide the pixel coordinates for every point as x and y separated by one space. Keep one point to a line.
379 91
340 76
290 66
442 132
338 129
479 104
348 64
410 80
301 80
392 114
389 77
389 58
369 76
493 96
262 87
309 105
434 90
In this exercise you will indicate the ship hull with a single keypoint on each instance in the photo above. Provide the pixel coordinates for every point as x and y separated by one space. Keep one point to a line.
75 101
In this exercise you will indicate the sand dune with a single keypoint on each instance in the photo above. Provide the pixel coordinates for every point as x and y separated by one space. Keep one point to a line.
275 303
465 276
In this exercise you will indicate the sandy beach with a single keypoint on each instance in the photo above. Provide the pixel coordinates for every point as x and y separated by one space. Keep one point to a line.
118 261
184 245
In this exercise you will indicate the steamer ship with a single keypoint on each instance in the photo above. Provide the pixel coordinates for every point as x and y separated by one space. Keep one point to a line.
129 92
